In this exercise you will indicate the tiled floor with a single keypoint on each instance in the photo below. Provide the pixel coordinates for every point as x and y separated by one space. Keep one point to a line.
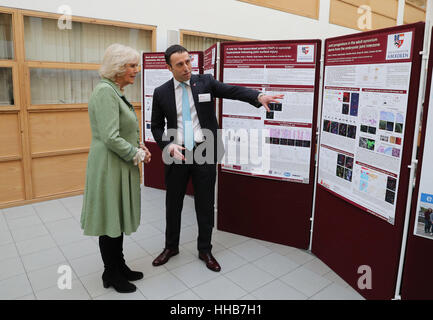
36 239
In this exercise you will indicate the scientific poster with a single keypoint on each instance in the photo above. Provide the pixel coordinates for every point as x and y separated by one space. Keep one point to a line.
210 60
424 212
155 73
365 98
282 138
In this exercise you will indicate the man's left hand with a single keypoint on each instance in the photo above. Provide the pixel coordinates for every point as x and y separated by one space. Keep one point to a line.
266 99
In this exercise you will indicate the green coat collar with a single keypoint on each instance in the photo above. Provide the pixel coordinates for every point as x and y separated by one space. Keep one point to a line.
115 87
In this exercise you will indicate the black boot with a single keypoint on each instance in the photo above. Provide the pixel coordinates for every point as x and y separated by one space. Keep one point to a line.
127 273
112 275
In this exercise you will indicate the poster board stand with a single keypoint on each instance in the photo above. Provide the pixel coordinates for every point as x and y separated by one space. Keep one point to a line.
272 205
414 281
359 217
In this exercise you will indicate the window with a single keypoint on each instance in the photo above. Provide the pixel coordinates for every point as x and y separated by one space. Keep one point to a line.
199 41
6 41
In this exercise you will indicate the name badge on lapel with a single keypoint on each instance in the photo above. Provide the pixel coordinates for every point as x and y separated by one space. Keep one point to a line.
204 97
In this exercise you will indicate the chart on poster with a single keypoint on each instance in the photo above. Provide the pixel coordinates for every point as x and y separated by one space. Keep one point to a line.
365 98
277 143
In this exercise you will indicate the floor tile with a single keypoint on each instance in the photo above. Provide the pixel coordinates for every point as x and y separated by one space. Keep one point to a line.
88 264
249 277
229 260
133 251
277 290
219 288
336 292
188 234
276 264
93 284
52 210
145 265
305 281
114 295
194 273
186 295
36 244
250 250
11 267
47 277
27 233
24 222
181 259
19 212
145 231
15 287
43 258
77 292
5 237
153 244
332 276
300 256
8 251
79 249
317 266
161 286
228 239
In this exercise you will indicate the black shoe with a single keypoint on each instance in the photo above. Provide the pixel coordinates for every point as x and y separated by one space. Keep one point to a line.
115 279
129 274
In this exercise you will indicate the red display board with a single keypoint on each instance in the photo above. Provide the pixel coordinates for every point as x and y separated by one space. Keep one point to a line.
273 205
210 60
154 74
355 231
416 281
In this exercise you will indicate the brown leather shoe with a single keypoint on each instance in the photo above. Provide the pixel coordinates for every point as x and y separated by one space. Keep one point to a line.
210 261
164 257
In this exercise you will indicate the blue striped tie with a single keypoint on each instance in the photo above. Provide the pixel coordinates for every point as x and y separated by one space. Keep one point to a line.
188 132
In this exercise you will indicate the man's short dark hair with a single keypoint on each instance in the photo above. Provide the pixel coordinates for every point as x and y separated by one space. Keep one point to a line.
173 49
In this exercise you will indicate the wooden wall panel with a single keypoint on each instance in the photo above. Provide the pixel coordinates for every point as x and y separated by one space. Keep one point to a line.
55 131
413 14
345 14
57 175
387 8
10 137
12 181
306 8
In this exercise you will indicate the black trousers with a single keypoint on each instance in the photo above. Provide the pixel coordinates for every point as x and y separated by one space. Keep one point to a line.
203 180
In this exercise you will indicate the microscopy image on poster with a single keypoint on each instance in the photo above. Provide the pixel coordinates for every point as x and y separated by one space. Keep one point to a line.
285 139
366 85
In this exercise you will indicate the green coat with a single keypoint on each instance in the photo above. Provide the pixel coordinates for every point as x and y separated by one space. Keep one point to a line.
111 203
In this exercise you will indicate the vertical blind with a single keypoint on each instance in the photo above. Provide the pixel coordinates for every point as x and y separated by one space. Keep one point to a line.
198 43
83 43
6 43
6 91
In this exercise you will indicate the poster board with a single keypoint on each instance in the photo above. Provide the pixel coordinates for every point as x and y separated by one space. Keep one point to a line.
353 231
416 284
272 204
210 60
285 133
155 73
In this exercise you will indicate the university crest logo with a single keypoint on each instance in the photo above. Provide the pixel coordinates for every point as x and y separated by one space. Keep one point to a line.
398 40
305 50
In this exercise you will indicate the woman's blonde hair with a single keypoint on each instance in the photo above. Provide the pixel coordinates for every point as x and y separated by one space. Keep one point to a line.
115 58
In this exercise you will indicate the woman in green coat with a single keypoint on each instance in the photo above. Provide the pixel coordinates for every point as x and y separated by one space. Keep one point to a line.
111 203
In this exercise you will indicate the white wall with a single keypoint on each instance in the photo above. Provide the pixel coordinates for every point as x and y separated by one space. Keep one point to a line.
229 17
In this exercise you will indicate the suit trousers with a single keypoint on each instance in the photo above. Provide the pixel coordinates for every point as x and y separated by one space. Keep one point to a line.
203 180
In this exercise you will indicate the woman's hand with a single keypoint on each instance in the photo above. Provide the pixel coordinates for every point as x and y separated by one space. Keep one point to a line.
148 156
